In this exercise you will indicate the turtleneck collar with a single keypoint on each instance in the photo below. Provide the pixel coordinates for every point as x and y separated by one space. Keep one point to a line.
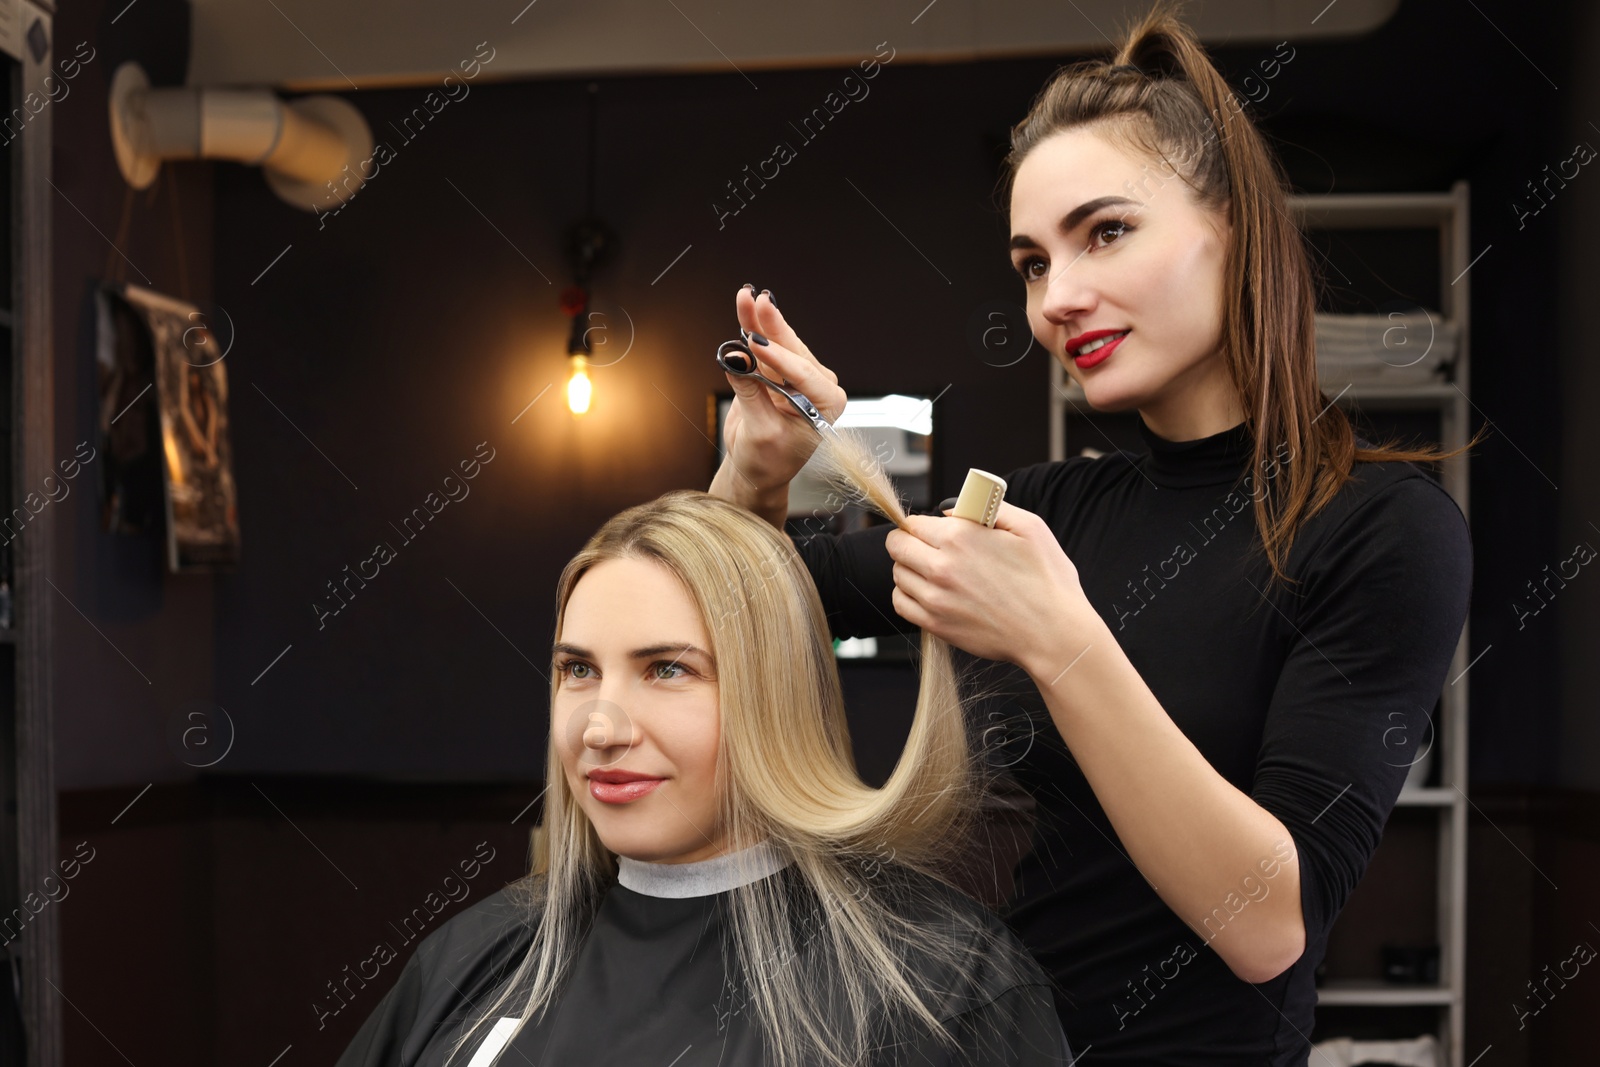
702 878
1216 460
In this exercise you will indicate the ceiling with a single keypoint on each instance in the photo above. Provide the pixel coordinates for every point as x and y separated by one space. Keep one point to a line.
341 45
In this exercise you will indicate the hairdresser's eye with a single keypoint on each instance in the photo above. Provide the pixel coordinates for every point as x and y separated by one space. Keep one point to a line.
665 670
1030 268
1118 227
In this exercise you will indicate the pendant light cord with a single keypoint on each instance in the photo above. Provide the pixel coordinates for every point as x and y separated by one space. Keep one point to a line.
594 135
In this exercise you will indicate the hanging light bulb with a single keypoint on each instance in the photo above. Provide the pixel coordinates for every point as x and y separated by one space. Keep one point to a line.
579 388
589 244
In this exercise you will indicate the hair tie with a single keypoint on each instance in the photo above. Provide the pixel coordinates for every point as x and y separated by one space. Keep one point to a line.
1124 66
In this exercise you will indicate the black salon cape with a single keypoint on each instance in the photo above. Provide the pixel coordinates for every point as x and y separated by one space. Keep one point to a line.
1312 700
650 987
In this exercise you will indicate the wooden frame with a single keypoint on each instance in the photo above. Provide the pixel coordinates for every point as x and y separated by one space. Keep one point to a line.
33 420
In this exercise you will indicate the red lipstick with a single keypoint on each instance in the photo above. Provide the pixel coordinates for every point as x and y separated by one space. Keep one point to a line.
1100 352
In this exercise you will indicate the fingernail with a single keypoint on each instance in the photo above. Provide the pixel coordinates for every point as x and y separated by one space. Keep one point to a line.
770 297
750 286
757 338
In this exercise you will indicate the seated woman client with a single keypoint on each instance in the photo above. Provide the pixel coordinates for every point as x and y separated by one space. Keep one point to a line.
713 883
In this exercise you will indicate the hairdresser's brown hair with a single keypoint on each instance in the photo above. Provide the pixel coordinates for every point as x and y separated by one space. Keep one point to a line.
1177 108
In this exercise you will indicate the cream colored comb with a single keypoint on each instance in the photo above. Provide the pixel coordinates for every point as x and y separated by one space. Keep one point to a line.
980 497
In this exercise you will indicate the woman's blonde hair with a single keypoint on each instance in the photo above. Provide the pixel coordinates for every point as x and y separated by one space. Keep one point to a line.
785 775
1160 95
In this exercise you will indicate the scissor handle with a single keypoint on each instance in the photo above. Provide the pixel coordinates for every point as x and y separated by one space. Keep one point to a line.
736 359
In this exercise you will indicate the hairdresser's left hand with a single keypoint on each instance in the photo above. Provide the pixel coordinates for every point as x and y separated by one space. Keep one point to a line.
1008 593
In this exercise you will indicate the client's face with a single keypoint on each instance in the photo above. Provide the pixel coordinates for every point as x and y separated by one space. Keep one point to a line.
635 715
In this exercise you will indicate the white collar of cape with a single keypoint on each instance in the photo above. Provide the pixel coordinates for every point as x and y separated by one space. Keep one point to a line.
701 878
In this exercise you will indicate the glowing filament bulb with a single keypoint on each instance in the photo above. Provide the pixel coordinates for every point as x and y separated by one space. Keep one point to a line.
579 388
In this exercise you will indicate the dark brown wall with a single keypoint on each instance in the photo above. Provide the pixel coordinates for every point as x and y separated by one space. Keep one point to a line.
207 924
130 645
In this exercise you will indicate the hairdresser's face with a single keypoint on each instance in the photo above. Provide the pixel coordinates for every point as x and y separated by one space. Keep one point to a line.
1149 263
636 698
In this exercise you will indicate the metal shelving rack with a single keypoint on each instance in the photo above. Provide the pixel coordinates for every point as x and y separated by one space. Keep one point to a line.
1448 397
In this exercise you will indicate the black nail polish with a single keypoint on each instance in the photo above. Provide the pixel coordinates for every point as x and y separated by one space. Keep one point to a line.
750 286
770 297
757 338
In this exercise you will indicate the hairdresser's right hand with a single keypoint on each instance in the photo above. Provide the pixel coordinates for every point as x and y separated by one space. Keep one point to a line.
766 440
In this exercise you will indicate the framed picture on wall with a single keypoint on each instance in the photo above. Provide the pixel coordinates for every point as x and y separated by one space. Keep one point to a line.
174 345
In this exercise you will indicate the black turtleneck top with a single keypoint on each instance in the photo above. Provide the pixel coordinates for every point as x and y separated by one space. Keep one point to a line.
1312 703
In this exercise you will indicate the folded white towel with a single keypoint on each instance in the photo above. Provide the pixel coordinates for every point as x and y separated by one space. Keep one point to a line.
1347 1052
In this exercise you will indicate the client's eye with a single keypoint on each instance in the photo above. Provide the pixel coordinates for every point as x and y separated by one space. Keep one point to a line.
577 670
665 669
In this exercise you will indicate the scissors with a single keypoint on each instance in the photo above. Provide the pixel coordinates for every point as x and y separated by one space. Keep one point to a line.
735 358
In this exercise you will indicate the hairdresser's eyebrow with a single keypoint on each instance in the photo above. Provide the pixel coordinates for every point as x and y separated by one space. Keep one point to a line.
1073 218
674 648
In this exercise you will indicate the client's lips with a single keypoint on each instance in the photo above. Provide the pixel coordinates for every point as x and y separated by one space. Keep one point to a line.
620 787
617 777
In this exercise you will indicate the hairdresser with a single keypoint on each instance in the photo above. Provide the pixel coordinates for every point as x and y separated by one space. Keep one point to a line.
1232 641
